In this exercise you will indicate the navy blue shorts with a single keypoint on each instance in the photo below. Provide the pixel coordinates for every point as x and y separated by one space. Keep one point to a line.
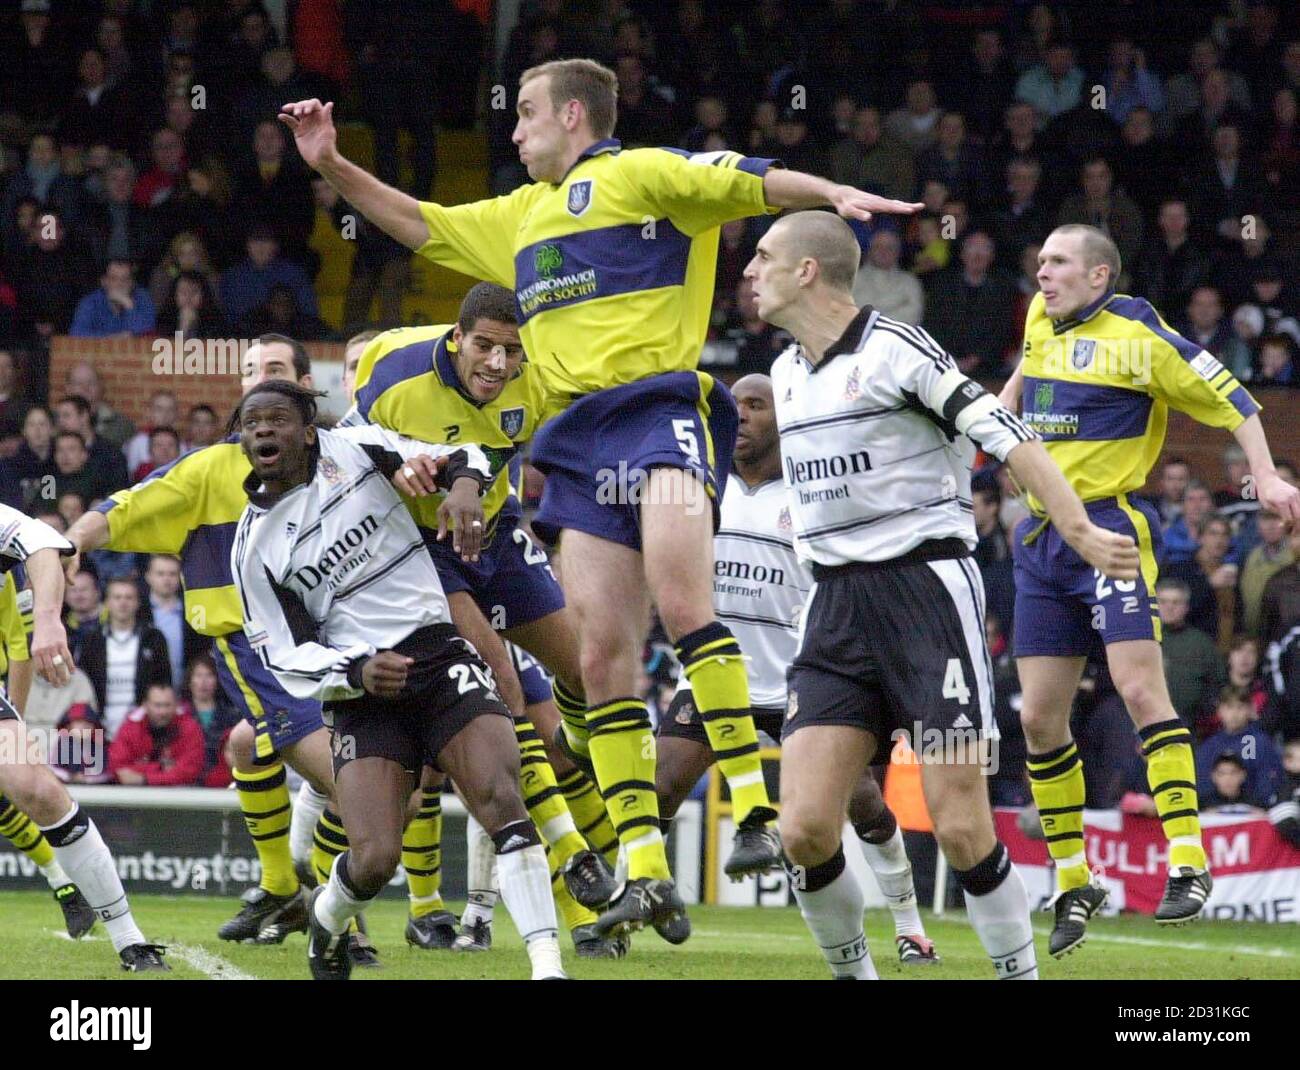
278 719
1064 605
511 582
597 454
536 684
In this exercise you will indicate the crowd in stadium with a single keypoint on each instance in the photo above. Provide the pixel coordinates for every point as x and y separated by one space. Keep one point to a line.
125 207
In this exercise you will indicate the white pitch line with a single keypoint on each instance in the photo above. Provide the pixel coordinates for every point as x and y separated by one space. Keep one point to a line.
208 964
62 935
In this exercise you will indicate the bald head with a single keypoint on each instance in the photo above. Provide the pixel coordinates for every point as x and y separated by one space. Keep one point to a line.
825 238
757 454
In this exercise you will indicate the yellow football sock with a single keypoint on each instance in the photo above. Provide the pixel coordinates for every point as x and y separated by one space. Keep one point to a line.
588 810
264 801
573 712
1171 772
623 752
712 662
422 856
23 833
543 798
327 843
1056 780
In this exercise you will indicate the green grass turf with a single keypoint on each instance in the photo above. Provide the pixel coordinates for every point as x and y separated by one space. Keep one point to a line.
728 942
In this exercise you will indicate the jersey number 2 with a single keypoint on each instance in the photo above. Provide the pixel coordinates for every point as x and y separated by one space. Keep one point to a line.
464 685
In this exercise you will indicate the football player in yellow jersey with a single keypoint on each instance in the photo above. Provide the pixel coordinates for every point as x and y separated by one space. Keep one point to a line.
16 826
468 383
612 258
1099 374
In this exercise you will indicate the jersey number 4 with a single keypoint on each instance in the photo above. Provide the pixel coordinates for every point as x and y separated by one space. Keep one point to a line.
954 682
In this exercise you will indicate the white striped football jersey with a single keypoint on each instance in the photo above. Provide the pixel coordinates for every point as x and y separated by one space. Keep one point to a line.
877 442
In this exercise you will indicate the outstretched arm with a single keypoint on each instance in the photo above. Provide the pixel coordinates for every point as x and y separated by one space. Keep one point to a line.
796 189
393 211
1272 491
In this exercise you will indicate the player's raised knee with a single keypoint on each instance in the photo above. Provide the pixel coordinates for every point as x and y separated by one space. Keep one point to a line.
372 863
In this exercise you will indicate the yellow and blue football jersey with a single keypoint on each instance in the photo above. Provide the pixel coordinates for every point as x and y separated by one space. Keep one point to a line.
1098 388
613 267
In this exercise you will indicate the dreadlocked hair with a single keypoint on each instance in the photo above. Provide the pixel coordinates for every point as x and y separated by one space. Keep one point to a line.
303 397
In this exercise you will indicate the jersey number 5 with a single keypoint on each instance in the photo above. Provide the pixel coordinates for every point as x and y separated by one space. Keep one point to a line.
684 432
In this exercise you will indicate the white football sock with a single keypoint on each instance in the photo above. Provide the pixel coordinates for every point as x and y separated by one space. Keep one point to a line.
526 888
1000 918
480 873
307 808
82 853
893 872
336 905
833 914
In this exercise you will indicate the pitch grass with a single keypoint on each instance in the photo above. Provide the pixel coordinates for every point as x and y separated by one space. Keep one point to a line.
728 943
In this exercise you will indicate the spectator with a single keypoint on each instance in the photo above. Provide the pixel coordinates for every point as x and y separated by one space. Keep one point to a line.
124 657
1180 542
1206 325
1183 90
1276 365
85 610
106 458
1265 561
1211 580
1279 610
1102 206
247 285
1244 671
757 343
1194 668
72 506
993 552
202 427
167 150
1173 266
202 206
933 250
117 228
710 118
914 125
36 60
158 744
13 406
1026 291
21 476
81 756
1237 501
953 160
98 112
42 180
1256 49
83 381
1281 157
380 265
984 83
186 252
1022 219
163 608
1018 139
280 314
191 309
969 308
274 190
51 273
1224 187
163 412
645 117
1226 782
1128 82
119 306
1268 294
886 287
873 160
1143 162
73 472
110 37
164 447
1243 736
214 715
1196 132
1054 86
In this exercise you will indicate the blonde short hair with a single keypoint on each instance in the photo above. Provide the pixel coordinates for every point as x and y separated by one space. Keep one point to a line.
584 80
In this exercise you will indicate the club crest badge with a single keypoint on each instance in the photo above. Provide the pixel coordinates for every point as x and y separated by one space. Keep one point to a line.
1081 357
853 385
330 470
686 714
580 196
783 522
512 421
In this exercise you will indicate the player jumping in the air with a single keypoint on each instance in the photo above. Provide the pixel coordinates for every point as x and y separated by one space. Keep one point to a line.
612 256
34 789
1099 375
876 426
348 609
759 589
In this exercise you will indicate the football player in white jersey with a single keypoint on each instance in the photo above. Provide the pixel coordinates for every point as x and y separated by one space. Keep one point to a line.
878 431
759 588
